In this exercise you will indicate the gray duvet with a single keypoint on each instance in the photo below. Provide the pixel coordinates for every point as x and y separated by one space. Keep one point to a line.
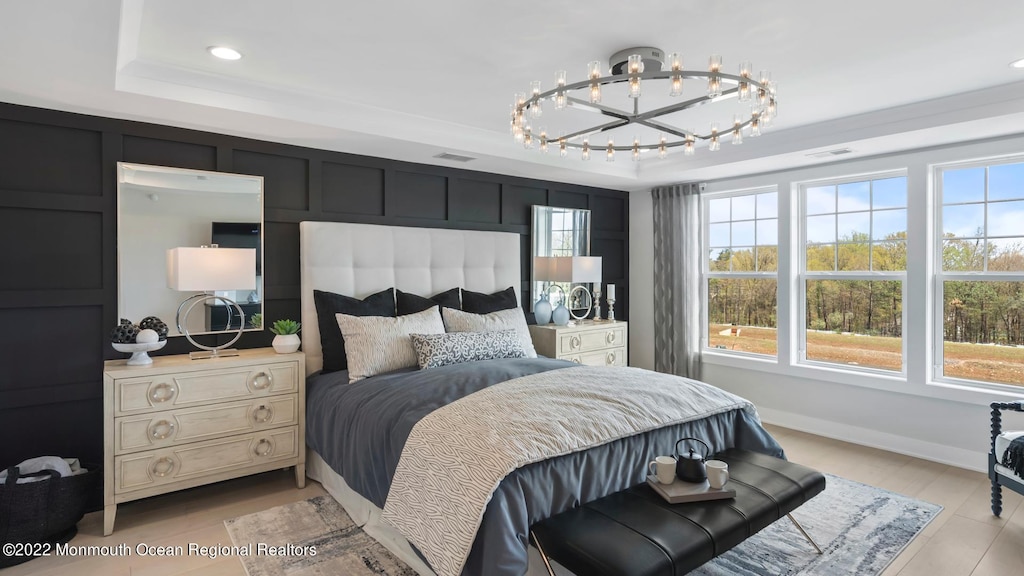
360 429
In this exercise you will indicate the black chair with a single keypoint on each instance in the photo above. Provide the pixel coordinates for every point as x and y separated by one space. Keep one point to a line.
997 473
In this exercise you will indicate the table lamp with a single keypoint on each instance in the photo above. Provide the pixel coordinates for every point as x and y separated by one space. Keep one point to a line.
576 270
207 269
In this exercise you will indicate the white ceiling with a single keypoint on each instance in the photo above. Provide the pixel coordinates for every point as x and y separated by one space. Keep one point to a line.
411 79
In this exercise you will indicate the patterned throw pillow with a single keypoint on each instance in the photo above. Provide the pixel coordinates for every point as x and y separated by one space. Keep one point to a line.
434 350
377 344
459 321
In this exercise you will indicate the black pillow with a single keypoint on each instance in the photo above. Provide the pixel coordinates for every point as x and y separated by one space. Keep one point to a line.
480 303
411 303
328 304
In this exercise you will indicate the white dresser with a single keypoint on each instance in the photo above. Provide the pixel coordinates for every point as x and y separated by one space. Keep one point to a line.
594 343
180 423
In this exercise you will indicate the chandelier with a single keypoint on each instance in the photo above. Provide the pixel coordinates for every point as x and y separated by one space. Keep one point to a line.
661 80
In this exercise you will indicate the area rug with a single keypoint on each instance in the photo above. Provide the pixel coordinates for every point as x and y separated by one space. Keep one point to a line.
860 529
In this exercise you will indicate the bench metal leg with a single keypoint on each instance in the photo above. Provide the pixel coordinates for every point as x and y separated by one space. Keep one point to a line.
543 556
804 532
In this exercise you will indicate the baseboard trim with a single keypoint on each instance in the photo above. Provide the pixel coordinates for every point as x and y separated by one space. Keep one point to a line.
958 457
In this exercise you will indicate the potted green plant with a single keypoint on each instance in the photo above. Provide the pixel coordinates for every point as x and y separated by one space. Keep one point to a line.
287 336
256 321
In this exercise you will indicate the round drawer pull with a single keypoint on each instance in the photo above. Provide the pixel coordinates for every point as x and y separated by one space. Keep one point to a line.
610 358
264 447
609 337
574 342
262 380
161 430
576 359
162 392
162 467
263 414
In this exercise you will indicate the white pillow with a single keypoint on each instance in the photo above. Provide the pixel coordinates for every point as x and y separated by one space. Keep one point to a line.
513 318
378 344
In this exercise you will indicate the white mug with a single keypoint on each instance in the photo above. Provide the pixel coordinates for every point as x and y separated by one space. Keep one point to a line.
664 467
718 473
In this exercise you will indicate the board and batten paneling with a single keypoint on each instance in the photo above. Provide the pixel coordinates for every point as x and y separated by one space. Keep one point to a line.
58 229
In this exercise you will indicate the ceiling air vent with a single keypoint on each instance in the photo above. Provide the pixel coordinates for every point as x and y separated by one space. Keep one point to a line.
454 157
830 153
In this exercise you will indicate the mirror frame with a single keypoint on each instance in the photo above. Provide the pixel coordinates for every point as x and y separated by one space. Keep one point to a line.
578 250
123 169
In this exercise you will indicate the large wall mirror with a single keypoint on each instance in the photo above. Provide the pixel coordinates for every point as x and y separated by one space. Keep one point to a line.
160 208
557 232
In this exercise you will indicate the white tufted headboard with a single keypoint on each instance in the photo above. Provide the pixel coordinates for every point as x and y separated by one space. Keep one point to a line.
360 259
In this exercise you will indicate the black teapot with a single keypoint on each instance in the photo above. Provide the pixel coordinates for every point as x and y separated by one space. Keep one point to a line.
690 467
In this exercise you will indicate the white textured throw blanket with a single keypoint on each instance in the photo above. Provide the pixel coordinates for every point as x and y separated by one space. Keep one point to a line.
456 456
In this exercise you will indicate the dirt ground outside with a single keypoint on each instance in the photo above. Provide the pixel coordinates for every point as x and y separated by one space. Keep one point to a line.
984 362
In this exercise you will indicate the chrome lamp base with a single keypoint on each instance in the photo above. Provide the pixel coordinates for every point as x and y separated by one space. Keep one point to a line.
209 354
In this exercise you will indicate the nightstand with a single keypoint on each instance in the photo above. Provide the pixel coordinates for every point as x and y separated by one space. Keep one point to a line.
594 343
180 423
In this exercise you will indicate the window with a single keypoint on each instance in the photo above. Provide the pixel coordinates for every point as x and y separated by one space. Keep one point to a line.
853 267
980 272
741 272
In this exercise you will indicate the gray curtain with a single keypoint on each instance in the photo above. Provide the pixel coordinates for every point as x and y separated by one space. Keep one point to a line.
677 266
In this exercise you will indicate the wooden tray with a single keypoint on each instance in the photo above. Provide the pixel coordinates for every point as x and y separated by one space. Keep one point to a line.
678 491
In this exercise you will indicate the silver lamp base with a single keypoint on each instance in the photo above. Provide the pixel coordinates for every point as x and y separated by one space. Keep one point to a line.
209 352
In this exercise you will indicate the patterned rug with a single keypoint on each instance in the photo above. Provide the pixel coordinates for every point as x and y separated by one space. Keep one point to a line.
860 528
342 548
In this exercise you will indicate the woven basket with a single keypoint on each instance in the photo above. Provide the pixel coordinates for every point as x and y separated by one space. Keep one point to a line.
45 510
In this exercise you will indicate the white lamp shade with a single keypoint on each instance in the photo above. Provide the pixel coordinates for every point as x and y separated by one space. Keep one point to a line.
543 266
576 269
208 269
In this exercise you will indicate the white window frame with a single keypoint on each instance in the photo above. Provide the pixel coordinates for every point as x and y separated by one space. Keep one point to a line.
803 275
707 274
940 277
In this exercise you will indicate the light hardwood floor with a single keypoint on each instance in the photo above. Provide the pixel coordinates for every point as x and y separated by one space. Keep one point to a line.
965 540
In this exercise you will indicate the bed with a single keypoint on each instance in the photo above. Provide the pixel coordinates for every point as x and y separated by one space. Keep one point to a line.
357 433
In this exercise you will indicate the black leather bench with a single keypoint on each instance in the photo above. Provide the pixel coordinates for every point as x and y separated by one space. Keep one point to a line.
637 533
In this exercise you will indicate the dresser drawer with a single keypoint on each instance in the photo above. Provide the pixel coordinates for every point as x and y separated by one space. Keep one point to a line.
608 357
173 427
180 464
589 340
163 391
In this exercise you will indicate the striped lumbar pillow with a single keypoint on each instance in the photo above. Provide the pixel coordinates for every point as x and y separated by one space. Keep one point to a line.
378 344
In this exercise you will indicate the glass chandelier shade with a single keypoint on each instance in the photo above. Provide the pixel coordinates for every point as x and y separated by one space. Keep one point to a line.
643 71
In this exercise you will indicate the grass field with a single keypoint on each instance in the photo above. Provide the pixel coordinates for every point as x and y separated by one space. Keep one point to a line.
986 362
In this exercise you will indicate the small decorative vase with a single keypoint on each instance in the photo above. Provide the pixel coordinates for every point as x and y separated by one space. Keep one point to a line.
542 310
286 343
560 316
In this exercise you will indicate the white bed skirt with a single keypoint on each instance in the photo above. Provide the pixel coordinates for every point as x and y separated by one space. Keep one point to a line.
367 516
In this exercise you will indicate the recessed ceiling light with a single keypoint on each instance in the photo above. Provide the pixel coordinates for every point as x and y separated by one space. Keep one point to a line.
1017 63
225 53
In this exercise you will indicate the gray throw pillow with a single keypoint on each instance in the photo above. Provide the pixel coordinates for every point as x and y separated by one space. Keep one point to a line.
435 350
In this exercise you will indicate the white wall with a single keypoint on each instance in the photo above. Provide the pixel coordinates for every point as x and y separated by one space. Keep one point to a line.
641 280
911 415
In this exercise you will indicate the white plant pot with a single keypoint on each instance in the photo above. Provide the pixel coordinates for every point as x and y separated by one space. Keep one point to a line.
286 343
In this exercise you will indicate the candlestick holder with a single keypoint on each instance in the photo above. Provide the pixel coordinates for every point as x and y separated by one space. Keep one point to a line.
597 302
611 309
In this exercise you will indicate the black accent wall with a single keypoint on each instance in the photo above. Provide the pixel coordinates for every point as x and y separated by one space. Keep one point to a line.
58 245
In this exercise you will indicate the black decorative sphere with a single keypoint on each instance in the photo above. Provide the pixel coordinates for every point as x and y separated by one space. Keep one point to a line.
155 324
124 334
125 322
